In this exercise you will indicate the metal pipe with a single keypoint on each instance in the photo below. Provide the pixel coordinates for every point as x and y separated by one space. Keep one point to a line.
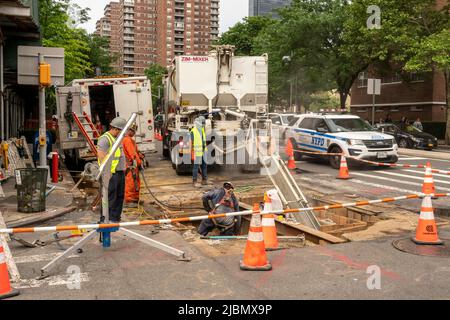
117 144
42 124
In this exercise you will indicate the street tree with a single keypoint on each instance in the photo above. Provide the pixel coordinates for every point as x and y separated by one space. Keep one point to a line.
156 73
243 34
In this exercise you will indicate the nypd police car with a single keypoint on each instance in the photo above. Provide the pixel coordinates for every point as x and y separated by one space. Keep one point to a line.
348 134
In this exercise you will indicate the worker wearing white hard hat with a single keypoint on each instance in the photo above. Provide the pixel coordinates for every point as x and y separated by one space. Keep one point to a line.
116 186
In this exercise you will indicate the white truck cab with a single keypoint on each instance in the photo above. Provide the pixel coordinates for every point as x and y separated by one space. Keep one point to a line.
348 134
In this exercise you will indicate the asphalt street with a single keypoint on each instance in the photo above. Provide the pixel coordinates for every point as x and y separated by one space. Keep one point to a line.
374 182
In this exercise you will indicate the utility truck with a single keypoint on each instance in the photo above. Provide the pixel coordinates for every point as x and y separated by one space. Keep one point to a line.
85 108
230 91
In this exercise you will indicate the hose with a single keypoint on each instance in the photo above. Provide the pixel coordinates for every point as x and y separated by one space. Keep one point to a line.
162 203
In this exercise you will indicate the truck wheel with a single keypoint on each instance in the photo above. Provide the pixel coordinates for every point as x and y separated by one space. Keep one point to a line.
403 144
335 161
166 148
183 169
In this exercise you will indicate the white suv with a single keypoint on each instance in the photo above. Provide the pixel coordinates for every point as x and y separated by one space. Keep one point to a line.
341 134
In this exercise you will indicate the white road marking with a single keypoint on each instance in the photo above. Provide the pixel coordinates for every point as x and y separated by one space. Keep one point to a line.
61 280
393 180
411 159
39 257
376 185
411 177
423 173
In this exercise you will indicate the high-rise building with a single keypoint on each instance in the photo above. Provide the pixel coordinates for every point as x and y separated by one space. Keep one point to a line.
143 32
186 27
266 7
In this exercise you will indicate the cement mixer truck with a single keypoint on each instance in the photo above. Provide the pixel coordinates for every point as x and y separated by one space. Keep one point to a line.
230 91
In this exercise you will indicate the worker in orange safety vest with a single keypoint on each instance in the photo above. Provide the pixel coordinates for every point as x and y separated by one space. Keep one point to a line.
134 164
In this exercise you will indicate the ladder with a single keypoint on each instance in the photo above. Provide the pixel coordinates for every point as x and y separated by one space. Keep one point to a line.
289 191
280 176
86 127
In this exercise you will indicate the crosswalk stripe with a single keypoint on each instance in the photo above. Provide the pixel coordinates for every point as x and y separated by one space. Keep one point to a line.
381 186
411 177
422 173
393 180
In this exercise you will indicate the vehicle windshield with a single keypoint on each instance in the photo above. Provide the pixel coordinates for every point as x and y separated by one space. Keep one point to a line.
286 118
292 121
350 125
412 129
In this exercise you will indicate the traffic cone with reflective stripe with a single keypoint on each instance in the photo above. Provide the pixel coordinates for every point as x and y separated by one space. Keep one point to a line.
5 286
343 170
428 183
290 154
426 232
255 258
268 226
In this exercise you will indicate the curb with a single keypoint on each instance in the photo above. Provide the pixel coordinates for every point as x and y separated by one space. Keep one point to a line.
425 154
48 215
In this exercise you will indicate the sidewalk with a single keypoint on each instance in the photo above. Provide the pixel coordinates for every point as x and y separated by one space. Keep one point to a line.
58 203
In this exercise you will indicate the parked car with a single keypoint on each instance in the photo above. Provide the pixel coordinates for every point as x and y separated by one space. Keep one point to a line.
280 121
411 137
341 134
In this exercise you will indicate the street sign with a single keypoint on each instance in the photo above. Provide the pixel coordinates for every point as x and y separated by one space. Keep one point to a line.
28 64
374 86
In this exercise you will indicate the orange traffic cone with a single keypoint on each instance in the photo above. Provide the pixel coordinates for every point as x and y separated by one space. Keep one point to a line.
290 154
428 183
5 286
268 226
343 171
426 232
255 258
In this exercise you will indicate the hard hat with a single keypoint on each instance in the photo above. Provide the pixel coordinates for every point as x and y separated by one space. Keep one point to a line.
118 123
202 120
228 185
134 127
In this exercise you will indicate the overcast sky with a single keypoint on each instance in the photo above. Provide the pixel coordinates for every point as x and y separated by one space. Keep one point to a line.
231 11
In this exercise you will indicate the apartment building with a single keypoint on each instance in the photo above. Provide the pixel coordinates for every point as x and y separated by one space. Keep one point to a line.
108 26
186 27
144 32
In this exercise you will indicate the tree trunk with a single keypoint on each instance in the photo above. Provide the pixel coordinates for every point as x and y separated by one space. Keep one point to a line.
343 98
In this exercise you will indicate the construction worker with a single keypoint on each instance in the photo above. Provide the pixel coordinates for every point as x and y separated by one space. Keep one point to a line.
134 164
199 148
218 201
116 186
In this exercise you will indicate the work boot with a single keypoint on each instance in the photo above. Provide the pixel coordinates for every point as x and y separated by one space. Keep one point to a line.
196 184
205 182
130 205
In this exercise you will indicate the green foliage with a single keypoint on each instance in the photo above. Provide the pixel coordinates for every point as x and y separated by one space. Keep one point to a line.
156 73
99 56
58 31
243 34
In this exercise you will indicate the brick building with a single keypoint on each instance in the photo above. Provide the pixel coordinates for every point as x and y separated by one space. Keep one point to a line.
186 27
411 95
143 32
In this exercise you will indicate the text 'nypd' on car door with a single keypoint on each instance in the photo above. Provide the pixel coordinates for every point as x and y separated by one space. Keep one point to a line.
305 134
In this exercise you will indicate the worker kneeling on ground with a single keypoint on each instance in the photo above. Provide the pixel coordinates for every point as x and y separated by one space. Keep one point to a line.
134 165
116 186
218 201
